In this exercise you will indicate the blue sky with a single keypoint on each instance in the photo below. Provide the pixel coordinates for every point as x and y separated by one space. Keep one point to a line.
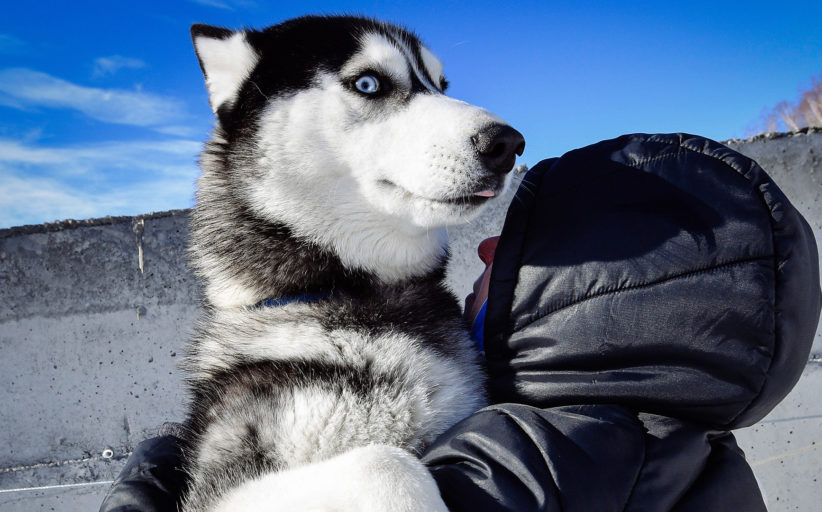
103 108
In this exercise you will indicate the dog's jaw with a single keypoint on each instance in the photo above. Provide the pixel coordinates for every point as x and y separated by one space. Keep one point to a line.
392 257
335 215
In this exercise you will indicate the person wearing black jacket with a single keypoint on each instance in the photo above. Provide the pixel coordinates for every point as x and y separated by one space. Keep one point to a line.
648 295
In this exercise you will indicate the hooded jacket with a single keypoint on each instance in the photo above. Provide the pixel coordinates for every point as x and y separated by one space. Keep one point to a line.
649 294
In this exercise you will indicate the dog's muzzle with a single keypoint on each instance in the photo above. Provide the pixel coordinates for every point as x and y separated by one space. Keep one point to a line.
498 146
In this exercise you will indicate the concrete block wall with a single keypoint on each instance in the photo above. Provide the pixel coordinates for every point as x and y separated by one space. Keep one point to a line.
94 316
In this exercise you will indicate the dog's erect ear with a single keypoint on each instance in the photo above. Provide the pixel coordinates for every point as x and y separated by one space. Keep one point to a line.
226 59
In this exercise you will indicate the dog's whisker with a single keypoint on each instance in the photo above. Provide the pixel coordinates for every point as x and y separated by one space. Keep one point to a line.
252 82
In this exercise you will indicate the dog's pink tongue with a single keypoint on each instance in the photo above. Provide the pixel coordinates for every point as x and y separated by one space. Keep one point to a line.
485 193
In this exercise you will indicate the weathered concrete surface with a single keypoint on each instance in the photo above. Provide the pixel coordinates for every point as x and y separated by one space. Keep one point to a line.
93 318
785 448
78 498
91 333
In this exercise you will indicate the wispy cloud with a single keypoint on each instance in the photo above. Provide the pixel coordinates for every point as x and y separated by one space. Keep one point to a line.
181 130
224 4
107 66
29 88
10 44
43 183
126 155
37 200
212 3
34 201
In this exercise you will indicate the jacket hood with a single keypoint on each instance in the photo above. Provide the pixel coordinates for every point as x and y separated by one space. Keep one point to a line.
666 273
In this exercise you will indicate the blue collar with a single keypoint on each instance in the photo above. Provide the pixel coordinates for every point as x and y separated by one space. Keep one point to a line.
282 301
478 328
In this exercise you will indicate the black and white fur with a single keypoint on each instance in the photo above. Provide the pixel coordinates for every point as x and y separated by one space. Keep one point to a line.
334 167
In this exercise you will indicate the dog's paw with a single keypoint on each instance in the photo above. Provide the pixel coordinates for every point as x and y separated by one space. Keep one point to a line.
375 478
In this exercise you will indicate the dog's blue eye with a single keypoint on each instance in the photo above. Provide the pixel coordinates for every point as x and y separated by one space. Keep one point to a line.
367 84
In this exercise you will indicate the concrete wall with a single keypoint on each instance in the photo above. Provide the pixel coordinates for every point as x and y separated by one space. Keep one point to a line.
94 315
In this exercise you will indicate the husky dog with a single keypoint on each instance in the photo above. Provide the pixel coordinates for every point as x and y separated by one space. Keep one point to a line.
335 164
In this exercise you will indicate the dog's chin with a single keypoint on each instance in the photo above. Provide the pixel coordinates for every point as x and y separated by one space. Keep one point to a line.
432 212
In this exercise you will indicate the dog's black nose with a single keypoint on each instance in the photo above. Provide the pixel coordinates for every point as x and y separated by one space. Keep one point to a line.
498 145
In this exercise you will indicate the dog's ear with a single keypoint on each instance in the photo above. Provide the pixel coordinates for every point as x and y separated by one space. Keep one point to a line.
226 59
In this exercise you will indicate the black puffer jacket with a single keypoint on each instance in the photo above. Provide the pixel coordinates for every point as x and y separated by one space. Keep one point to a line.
649 294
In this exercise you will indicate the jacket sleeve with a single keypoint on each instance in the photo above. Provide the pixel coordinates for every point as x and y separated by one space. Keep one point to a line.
151 480
517 457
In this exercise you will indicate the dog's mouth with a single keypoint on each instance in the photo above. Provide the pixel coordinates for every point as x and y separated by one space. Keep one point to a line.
477 198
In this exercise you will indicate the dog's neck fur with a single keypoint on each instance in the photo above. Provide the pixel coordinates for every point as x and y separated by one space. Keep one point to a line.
243 258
